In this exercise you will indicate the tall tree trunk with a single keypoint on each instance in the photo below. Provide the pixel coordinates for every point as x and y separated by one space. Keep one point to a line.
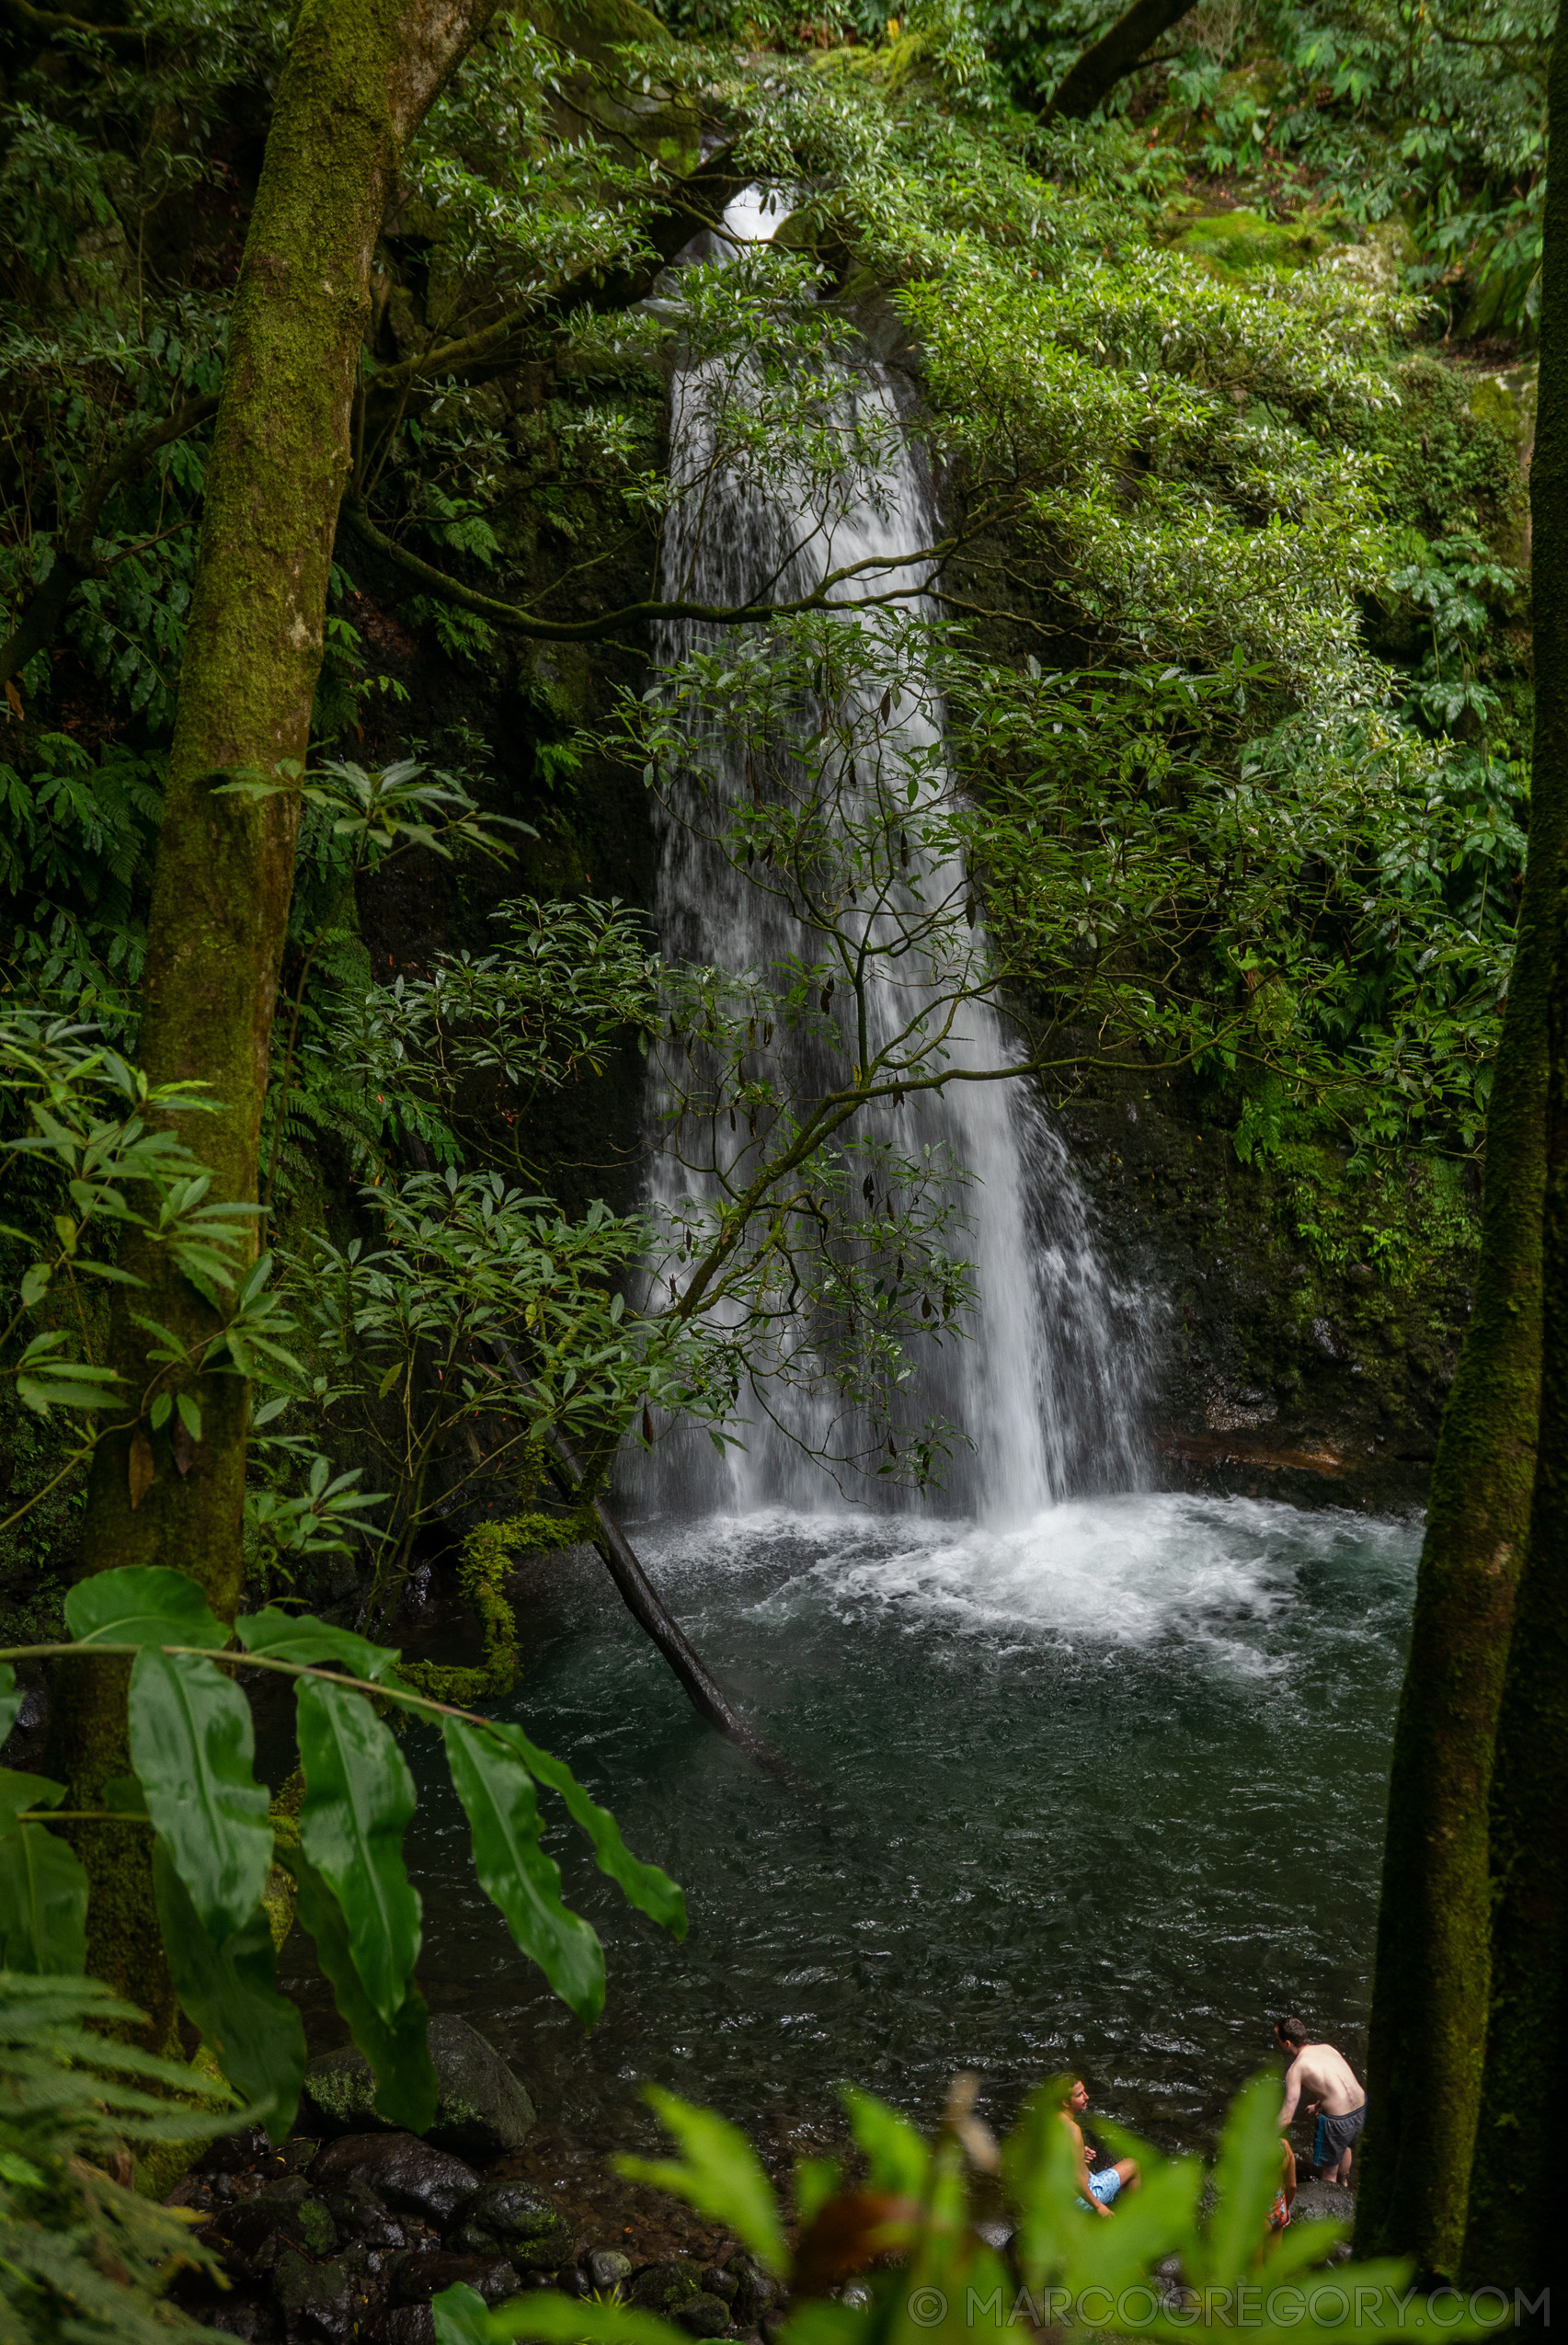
1517 2233
359 77
1432 1981
1110 59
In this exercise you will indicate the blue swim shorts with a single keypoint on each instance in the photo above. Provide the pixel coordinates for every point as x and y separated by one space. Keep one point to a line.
1104 2185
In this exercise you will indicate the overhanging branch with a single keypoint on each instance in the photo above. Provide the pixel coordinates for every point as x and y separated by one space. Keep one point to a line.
698 203
518 622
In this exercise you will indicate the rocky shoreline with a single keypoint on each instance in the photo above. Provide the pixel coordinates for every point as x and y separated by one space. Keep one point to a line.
351 2227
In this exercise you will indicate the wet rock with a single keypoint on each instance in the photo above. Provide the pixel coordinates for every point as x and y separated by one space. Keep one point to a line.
359 2215
664 2287
606 2268
241 2316
232 2152
401 2324
719 2281
482 2109
400 2169
315 2299
422 2277
254 2232
521 2221
316 2228
756 2290
702 2315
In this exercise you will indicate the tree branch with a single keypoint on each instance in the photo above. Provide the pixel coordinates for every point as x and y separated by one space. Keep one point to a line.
673 225
718 614
44 24
1111 58
75 558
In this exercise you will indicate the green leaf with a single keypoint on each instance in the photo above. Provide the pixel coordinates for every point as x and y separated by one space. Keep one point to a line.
254 2034
408 2088
563 2321
359 1797
514 1872
142 1604
896 2155
18 1791
1246 2175
461 2316
722 2175
10 1698
300 1637
43 1890
192 1746
645 1886
817 2180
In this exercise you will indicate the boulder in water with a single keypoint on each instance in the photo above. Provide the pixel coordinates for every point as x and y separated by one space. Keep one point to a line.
482 2111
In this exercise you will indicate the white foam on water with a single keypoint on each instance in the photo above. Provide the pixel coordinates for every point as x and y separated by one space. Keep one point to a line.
1143 1570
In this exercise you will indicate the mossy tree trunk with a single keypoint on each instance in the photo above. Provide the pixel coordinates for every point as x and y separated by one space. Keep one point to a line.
358 79
1517 2230
1432 1983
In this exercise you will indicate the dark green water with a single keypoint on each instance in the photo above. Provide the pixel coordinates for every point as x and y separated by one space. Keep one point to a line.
1105 1791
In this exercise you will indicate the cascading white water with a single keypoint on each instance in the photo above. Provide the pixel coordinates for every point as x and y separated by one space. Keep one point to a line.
1046 1390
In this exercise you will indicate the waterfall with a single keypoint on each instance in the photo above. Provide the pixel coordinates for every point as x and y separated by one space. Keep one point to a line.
1047 1386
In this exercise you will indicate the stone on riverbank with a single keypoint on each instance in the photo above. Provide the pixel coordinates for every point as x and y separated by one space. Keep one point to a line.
419 2278
520 2221
313 2298
482 2109
664 2287
399 2167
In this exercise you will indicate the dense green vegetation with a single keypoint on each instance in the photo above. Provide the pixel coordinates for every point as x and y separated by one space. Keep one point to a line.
1227 396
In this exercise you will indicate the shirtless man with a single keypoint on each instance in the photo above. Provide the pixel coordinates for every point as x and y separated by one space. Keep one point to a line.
1338 2102
1097 2189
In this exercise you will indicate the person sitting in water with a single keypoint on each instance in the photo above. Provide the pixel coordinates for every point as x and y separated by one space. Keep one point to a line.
1338 2101
1097 2190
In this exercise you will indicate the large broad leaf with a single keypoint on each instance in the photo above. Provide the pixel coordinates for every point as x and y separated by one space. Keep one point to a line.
10 1698
299 1636
461 2316
43 1890
359 1797
143 1605
254 2034
514 1872
408 2088
721 2175
192 1745
651 1891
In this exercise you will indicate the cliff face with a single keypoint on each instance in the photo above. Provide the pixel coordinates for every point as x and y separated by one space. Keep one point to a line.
1303 1323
